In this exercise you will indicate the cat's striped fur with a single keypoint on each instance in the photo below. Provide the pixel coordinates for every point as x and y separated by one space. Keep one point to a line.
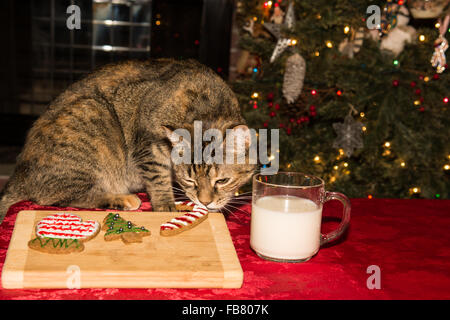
103 139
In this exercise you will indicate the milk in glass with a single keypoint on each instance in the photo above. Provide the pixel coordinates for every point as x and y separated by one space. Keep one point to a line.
285 227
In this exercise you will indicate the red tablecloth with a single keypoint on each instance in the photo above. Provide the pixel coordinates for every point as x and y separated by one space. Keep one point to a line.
409 240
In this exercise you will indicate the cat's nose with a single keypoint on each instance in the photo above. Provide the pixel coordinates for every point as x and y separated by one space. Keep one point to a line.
205 203
205 197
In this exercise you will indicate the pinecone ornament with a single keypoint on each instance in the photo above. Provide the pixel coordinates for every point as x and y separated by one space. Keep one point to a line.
294 76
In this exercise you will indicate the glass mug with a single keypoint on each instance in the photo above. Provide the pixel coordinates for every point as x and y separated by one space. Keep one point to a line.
287 216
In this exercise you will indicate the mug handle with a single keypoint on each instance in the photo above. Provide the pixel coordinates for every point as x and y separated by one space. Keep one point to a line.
325 238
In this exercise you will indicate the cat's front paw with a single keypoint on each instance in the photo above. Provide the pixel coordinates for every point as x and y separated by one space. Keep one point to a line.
164 207
121 202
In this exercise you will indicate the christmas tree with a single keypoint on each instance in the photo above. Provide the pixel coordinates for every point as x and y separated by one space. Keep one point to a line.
364 108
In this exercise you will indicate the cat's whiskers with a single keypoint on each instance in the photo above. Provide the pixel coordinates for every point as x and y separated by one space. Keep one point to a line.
229 211
178 189
237 208
242 198
179 194
239 203
246 192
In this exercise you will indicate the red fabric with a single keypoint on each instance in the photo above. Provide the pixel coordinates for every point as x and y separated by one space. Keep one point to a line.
408 239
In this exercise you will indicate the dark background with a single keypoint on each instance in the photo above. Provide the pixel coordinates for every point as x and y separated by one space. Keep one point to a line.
40 56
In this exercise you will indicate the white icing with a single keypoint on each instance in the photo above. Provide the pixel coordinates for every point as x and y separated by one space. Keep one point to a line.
197 214
200 210
67 225
179 221
171 225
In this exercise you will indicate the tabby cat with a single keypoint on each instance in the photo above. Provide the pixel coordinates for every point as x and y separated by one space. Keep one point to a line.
107 137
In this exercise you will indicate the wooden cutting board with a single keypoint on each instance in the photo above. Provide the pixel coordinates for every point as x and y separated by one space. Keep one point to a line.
203 257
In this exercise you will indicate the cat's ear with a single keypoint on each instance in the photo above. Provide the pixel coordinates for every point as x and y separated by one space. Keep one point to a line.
242 132
237 142
171 135
176 136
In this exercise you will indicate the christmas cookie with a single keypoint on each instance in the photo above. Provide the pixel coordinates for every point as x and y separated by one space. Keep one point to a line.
185 222
63 233
118 228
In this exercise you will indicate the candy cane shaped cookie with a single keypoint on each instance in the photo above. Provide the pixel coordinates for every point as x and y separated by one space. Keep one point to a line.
185 222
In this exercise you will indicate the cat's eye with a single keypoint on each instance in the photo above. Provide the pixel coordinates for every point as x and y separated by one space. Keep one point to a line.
222 181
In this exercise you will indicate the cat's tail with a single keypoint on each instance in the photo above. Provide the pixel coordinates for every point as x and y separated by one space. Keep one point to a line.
7 198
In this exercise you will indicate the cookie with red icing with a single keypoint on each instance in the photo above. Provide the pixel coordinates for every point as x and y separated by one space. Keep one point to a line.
63 233
189 220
